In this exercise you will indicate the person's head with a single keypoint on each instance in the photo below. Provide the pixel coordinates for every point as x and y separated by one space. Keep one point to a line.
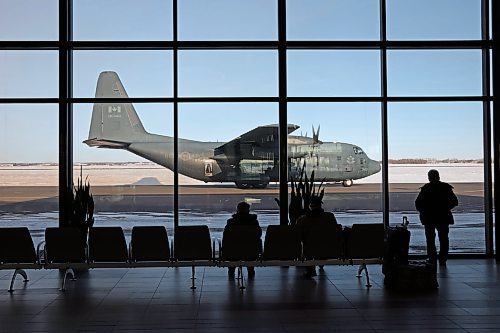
243 208
315 203
433 175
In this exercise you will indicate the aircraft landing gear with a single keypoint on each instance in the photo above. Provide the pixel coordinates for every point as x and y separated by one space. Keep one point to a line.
347 183
242 185
246 185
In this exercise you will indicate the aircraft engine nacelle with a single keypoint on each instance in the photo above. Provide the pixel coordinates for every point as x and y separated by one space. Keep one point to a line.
297 154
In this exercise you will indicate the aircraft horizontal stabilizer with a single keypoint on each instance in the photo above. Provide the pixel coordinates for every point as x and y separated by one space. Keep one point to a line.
101 143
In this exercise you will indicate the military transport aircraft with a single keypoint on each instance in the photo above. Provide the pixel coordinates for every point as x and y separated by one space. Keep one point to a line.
250 160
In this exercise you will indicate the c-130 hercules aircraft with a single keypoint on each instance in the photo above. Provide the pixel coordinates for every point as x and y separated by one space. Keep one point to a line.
250 160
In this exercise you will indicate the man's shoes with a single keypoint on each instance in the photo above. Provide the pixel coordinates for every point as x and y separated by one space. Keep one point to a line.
310 272
431 262
442 262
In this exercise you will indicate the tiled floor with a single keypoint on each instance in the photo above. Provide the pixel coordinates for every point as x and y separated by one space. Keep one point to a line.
278 300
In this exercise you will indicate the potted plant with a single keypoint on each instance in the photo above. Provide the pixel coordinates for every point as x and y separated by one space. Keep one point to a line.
302 190
82 207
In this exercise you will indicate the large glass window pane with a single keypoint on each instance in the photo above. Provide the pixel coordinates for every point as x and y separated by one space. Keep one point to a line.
29 74
228 73
333 20
434 73
433 19
228 20
29 20
125 151
141 73
333 73
122 20
447 137
221 147
346 154
29 191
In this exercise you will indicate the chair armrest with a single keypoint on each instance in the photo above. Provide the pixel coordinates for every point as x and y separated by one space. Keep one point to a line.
171 243
261 252
87 260
40 252
219 243
130 252
213 248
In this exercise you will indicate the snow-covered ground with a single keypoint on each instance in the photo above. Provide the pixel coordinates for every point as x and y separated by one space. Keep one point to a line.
152 174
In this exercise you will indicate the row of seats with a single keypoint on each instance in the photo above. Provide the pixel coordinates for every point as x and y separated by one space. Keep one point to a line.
65 248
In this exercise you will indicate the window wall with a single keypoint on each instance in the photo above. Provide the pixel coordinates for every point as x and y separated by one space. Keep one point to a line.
176 110
29 193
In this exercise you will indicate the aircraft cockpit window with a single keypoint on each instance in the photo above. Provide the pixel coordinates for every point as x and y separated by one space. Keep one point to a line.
357 150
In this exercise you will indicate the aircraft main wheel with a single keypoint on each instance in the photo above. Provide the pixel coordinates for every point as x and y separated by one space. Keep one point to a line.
347 183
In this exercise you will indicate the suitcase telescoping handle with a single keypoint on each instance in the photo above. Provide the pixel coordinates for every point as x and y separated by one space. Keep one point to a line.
405 222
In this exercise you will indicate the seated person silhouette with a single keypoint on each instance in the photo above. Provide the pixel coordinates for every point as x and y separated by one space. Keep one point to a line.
243 217
315 214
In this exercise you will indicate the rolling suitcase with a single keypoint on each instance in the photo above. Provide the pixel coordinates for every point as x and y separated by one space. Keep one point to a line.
400 273
397 246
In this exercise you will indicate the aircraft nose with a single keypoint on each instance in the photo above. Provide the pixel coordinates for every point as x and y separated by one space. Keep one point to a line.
374 167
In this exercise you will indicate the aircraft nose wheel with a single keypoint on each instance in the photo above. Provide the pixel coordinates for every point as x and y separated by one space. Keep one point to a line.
347 183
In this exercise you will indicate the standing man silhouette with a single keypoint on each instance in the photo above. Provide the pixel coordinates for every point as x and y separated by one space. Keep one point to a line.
434 203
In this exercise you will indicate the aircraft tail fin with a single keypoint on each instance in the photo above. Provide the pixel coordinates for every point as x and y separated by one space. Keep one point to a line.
113 122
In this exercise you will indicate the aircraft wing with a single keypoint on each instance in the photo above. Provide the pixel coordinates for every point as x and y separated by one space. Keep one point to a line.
260 143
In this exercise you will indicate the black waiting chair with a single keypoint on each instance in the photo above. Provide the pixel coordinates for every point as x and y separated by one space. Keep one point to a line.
149 246
282 246
322 241
65 249
107 247
17 252
193 243
241 246
193 247
364 242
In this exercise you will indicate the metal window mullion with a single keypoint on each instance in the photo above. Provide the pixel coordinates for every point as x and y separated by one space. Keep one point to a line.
283 117
383 110
176 116
488 200
65 113
495 17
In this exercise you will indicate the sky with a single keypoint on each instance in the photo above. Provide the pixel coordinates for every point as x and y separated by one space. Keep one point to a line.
28 133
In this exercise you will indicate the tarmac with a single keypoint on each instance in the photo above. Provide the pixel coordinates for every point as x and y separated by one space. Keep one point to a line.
220 198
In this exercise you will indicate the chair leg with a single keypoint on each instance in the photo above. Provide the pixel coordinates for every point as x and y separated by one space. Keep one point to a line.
363 267
192 278
70 271
22 272
368 284
241 279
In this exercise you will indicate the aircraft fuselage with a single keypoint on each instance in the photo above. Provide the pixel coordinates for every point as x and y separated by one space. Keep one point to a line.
332 161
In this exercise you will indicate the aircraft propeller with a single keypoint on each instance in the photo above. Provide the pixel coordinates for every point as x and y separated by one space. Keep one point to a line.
316 135
316 141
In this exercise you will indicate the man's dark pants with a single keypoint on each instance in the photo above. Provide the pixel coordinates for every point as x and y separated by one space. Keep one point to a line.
444 243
